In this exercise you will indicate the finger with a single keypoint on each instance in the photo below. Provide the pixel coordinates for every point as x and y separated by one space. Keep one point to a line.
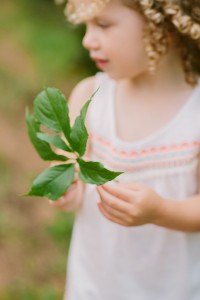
60 203
76 167
113 202
76 178
86 158
108 208
109 217
118 191
114 213
133 186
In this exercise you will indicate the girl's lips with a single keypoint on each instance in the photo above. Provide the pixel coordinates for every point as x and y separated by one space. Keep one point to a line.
101 63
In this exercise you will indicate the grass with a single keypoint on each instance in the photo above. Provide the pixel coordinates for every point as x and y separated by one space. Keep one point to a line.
24 292
61 228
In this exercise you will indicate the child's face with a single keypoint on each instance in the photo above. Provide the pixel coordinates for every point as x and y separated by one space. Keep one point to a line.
114 38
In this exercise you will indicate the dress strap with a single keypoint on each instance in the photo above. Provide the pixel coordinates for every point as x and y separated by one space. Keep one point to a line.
100 114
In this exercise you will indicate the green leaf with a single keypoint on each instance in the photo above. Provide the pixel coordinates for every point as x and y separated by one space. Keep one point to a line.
55 140
79 135
95 173
51 110
43 148
53 182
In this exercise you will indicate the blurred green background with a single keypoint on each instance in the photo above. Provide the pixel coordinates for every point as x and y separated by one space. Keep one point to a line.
37 47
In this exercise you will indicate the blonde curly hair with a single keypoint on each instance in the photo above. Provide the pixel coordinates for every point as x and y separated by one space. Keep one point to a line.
180 18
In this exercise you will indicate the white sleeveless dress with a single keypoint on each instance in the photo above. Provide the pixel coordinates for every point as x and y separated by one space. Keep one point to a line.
111 262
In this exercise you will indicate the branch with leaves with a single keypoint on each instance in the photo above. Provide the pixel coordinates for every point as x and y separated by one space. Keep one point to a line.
52 112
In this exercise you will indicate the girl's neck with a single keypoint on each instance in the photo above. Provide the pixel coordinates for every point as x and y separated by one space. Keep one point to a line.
169 77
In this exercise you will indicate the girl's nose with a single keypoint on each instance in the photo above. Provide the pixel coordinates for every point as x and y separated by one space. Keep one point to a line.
90 40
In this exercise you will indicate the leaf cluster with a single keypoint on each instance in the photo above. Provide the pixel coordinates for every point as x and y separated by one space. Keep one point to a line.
51 111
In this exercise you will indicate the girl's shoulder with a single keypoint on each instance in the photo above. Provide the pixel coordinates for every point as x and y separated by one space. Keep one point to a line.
79 95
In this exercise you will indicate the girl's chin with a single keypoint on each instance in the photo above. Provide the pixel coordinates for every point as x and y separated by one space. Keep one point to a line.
116 76
132 75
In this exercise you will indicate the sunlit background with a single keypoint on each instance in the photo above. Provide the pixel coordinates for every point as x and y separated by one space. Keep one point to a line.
37 47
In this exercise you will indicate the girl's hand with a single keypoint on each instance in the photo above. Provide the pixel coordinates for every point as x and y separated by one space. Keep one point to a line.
129 204
72 199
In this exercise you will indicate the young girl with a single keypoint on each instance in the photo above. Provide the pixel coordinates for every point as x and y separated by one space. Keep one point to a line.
139 238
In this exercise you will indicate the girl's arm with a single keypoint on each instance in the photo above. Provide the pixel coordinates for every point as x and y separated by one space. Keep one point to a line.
184 215
136 204
72 199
